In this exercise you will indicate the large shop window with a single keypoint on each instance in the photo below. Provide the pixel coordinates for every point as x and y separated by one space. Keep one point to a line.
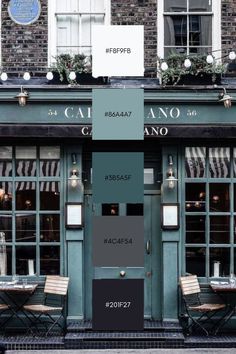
210 211
187 27
70 24
30 210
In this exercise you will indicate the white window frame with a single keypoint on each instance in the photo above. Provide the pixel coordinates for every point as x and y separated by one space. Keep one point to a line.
52 30
216 28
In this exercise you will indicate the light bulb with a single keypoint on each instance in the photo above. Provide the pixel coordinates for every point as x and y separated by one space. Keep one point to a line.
74 181
26 76
171 184
187 63
4 76
164 66
72 75
49 75
232 55
209 59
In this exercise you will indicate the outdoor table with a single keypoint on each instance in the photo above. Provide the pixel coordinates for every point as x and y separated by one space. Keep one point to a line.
16 302
223 290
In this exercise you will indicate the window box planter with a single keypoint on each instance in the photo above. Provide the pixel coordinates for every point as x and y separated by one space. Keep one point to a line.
199 79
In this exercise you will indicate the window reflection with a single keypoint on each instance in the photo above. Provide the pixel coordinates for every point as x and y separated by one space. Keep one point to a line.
5 195
195 162
195 197
195 260
25 195
26 161
25 260
200 5
221 255
49 196
219 162
6 227
26 228
50 161
49 260
219 229
5 260
195 229
50 228
110 209
175 6
5 161
219 197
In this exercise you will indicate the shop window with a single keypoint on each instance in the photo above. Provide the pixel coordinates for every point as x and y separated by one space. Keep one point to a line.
110 209
210 211
187 27
30 215
71 22
134 209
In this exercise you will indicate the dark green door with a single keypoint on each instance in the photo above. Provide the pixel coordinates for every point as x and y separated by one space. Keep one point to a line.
151 271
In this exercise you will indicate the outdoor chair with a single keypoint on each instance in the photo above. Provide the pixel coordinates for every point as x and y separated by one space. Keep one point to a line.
191 295
55 290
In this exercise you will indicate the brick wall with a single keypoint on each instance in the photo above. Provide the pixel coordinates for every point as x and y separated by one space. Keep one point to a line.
24 47
228 24
139 12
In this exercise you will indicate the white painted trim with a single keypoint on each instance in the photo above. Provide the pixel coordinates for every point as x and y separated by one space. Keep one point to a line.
160 28
107 9
216 28
52 33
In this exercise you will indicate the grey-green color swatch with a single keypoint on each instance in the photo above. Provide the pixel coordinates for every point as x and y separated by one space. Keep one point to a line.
118 114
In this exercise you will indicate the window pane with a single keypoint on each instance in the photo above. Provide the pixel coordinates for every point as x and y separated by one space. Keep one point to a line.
200 50
200 30
219 162
175 30
5 260
25 260
26 228
25 195
219 229
49 260
178 50
200 5
176 5
134 209
110 209
5 195
5 228
50 168
5 161
195 229
221 255
219 197
49 153
149 176
195 261
26 152
49 196
195 197
50 228
195 162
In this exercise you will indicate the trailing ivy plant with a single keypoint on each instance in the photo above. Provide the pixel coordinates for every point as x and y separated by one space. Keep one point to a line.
199 67
65 63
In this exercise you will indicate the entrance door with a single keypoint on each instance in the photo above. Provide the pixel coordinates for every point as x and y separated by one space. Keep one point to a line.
151 272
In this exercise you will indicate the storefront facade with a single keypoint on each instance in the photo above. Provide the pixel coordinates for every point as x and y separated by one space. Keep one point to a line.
43 141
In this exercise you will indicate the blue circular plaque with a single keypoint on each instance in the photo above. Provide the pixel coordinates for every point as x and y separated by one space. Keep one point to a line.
24 12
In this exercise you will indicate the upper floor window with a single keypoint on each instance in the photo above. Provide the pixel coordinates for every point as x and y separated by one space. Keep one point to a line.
70 25
187 27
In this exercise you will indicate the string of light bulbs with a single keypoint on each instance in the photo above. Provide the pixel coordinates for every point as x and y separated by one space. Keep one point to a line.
27 76
209 59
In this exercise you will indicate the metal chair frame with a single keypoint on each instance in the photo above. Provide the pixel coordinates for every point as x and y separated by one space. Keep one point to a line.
191 295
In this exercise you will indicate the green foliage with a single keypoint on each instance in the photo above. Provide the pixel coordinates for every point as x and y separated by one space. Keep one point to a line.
65 63
199 66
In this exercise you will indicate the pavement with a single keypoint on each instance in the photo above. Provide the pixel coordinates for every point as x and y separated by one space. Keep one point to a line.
129 351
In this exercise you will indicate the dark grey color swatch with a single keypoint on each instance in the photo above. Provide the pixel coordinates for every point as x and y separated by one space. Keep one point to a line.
118 241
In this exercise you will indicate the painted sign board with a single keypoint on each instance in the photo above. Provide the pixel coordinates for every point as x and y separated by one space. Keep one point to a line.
24 12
